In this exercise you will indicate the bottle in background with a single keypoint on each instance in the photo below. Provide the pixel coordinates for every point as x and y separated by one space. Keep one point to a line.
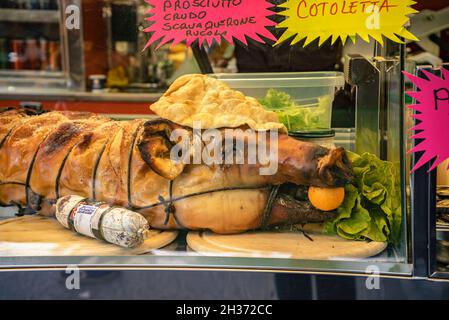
35 4
44 4
44 54
17 54
22 4
54 56
32 54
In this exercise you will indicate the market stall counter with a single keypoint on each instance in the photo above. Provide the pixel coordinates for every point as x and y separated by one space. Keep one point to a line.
297 206
117 105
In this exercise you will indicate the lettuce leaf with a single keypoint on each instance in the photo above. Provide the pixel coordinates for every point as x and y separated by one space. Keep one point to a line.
277 100
298 117
372 207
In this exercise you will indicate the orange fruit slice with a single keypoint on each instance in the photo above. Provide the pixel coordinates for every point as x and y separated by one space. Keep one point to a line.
326 199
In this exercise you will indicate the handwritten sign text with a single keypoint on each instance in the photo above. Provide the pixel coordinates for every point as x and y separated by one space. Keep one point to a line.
432 115
318 19
208 21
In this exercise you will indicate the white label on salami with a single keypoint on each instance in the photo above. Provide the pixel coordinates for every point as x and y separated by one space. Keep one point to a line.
64 207
82 219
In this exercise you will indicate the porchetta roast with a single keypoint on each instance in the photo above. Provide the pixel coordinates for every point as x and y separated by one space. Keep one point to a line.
127 163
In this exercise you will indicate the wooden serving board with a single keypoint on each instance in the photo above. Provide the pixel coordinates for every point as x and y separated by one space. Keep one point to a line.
41 236
282 244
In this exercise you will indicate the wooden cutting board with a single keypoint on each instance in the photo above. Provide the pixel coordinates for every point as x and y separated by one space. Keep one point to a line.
282 244
40 236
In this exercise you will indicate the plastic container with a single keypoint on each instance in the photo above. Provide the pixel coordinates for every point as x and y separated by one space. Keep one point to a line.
345 137
302 100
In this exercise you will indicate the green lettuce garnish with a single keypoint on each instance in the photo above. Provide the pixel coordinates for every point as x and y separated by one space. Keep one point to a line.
372 207
277 100
298 117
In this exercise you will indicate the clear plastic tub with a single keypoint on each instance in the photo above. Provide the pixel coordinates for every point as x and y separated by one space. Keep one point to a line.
302 100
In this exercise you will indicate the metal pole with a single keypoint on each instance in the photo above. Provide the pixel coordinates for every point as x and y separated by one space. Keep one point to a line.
202 58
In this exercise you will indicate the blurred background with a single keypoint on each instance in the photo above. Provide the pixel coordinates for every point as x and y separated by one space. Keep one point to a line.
107 53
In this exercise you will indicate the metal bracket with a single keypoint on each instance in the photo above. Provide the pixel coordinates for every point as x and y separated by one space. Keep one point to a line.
202 58
374 81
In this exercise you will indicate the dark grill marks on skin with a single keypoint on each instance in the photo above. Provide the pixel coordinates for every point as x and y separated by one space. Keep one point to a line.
87 140
54 141
333 163
59 138
65 133
320 152
154 145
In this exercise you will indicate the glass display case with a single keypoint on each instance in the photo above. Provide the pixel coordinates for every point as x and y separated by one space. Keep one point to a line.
432 227
203 249
129 68
36 47
354 113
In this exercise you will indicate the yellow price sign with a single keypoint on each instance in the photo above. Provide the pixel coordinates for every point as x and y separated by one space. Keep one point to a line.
313 19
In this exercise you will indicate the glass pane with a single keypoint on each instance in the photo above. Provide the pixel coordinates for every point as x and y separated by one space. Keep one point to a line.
30 36
106 169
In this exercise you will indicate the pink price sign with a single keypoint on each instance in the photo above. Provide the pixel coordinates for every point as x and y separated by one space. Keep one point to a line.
208 21
433 115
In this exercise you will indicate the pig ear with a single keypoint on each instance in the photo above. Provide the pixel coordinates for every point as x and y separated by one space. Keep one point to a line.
155 146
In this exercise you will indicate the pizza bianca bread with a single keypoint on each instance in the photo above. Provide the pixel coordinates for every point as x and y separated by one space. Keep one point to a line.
199 98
